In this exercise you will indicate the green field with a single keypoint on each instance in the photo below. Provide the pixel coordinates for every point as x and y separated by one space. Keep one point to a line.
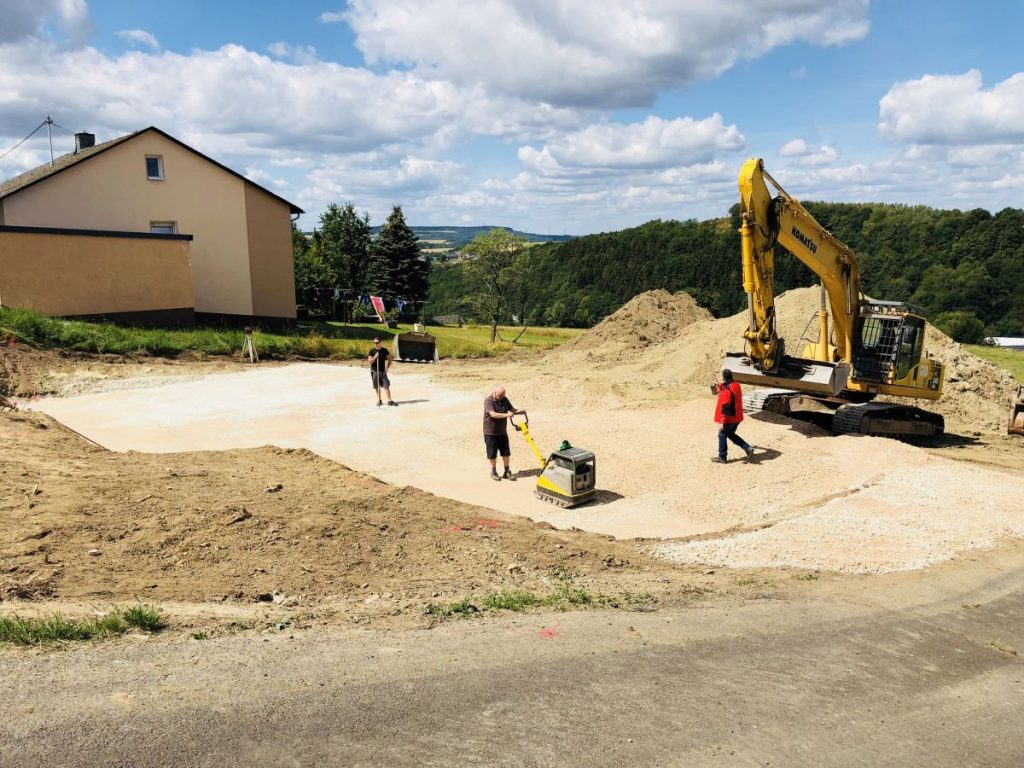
333 341
1010 359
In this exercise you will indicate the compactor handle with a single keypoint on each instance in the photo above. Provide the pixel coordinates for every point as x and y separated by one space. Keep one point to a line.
519 427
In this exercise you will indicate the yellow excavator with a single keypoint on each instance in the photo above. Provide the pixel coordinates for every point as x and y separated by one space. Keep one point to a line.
864 347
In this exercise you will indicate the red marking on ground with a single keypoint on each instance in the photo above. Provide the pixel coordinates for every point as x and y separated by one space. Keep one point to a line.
485 523
452 529
549 632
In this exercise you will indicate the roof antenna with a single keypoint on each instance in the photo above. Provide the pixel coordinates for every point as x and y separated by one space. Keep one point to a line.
49 122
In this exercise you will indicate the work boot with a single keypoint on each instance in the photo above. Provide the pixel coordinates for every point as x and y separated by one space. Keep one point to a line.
750 451
507 475
392 402
718 460
379 403
494 475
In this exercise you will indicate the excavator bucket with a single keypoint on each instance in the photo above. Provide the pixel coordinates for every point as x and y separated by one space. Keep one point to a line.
416 346
1016 424
793 373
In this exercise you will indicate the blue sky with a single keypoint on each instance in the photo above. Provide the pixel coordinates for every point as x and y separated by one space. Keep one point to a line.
561 116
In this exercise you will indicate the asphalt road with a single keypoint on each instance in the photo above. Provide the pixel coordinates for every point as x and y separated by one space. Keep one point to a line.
912 670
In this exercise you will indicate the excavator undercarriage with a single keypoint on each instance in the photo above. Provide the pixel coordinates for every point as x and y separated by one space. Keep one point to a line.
843 417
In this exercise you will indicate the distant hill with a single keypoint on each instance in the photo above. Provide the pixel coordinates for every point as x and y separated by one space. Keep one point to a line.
454 238
965 268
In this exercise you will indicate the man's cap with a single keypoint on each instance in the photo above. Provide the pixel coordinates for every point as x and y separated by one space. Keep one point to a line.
376 339
726 373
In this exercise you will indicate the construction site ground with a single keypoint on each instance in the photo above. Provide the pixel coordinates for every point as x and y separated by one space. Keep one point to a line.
278 503
218 483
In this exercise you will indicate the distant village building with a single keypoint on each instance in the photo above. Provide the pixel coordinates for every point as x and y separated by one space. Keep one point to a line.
1010 342
145 228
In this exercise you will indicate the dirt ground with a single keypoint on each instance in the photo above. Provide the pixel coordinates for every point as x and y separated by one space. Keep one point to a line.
288 529
285 527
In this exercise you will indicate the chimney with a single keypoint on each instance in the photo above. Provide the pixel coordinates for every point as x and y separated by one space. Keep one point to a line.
84 141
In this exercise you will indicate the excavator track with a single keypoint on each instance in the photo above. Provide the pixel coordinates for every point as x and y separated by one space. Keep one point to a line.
887 420
762 399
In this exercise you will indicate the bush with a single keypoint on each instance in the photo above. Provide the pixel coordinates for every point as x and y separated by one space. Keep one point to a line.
964 327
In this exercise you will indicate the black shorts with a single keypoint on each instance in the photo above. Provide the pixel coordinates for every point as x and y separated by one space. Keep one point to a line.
379 379
497 444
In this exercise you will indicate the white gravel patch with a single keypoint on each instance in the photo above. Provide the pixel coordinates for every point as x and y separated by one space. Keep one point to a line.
907 519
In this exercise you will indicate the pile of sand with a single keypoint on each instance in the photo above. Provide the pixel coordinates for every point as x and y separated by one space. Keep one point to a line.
663 346
976 392
647 319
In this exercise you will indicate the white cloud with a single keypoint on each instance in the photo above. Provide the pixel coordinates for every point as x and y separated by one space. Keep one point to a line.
333 17
256 103
27 18
264 179
298 54
821 155
794 148
954 110
652 144
139 37
584 54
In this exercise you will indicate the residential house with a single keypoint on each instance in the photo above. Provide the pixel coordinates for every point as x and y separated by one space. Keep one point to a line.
145 227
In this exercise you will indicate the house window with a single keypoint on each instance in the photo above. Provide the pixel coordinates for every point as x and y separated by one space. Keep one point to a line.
163 227
154 167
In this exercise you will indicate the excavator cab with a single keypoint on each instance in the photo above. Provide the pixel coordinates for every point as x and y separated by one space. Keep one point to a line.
889 346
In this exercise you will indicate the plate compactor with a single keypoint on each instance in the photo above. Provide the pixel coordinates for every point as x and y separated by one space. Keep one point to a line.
568 477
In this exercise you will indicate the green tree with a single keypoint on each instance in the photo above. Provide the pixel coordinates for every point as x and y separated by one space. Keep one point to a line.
311 270
396 265
346 245
496 274
964 327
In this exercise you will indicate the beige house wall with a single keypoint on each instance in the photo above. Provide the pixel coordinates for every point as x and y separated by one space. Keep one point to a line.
270 254
92 275
110 191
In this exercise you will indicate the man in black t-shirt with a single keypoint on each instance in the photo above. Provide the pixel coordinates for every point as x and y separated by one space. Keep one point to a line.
380 361
497 411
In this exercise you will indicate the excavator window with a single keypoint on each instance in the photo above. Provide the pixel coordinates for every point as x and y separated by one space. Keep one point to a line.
876 355
911 341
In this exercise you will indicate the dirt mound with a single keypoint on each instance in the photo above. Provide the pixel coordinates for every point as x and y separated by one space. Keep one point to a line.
976 392
694 357
647 319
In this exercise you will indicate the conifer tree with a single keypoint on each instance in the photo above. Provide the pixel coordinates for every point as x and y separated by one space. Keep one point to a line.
396 266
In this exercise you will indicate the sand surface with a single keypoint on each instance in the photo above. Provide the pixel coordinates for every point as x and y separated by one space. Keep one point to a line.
812 491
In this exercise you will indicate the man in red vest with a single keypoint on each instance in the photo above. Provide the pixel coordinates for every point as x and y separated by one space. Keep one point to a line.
729 414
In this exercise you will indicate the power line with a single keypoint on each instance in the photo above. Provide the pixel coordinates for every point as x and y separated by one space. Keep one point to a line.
5 154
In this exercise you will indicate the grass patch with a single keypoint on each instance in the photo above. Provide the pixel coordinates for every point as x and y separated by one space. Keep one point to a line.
54 629
565 596
144 617
1011 360
333 341
511 600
